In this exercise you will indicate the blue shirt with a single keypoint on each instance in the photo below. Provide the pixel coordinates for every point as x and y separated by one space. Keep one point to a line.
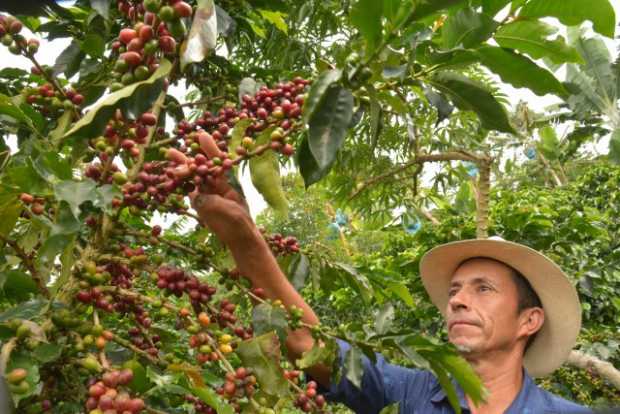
419 392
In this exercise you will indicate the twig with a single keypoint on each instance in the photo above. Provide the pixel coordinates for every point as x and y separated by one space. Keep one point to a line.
29 263
202 101
418 160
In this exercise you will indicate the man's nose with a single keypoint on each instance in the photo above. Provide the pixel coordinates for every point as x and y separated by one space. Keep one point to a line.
459 300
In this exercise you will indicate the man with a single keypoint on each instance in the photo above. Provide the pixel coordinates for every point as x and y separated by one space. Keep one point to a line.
510 312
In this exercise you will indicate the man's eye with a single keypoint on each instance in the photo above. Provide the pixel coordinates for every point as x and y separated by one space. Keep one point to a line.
484 288
451 292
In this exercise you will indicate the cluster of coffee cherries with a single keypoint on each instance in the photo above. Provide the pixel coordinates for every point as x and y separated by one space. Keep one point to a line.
200 407
36 204
176 281
51 102
206 353
159 29
282 246
238 384
143 341
279 106
107 396
95 171
10 36
125 134
310 400
96 297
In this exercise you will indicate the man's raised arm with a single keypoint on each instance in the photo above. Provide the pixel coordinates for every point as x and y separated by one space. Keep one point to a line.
224 211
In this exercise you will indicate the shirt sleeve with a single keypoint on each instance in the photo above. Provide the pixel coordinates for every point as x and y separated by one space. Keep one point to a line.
382 384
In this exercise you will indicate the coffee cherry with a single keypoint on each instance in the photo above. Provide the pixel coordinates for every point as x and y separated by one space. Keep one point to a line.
37 209
167 44
166 14
148 118
131 58
127 35
204 319
182 9
15 27
26 198
16 376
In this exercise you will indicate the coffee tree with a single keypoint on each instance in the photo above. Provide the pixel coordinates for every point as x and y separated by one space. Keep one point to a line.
105 313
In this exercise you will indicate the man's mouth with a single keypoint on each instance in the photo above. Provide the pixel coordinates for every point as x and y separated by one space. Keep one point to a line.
460 322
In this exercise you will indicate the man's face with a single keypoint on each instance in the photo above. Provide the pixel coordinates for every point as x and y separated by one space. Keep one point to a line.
482 308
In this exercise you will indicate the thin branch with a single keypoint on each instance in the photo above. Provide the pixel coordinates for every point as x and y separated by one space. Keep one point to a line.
418 160
28 261
202 101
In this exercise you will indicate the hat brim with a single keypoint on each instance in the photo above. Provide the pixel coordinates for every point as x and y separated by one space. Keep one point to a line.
558 296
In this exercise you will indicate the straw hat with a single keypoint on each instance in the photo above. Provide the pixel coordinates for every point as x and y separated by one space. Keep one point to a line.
558 296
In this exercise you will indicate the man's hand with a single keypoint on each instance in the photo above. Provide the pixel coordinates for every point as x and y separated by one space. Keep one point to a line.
218 205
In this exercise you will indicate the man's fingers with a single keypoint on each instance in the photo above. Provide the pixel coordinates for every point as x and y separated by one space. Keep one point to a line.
176 156
182 171
208 145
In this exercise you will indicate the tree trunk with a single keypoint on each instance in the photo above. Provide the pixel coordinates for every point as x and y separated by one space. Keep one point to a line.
482 199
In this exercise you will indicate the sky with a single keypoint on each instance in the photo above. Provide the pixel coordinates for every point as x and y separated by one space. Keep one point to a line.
49 51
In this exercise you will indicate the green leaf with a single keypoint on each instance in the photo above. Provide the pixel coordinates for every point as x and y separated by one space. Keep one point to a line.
447 386
68 62
62 124
492 7
265 174
366 16
402 292
298 271
424 8
10 109
329 124
598 66
237 136
25 310
520 71
45 353
267 318
391 409
262 354
354 366
384 319
308 167
395 102
202 35
276 18
75 193
473 96
17 285
102 7
67 259
140 383
210 397
318 91
326 355
531 37
93 45
9 212
614 147
51 167
134 99
574 12
549 143
467 28
464 374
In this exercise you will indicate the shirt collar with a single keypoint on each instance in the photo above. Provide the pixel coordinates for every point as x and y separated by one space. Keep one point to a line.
518 406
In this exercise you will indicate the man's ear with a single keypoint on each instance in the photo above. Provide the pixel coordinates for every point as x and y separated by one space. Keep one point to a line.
531 320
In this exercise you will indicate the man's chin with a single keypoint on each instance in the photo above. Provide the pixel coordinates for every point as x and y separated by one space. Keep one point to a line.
463 347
